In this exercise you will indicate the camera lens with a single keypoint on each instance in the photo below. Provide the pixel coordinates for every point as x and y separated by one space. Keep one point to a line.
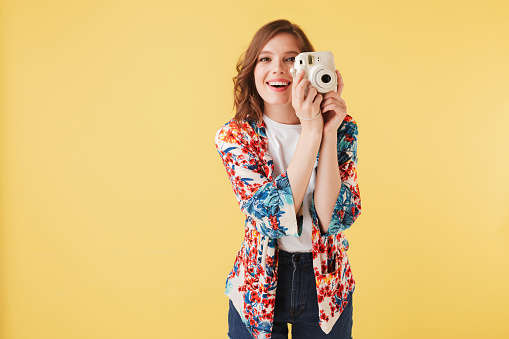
326 78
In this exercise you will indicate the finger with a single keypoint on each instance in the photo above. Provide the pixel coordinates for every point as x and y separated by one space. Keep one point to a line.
328 108
302 89
304 83
328 95
340 83
331 94
330 101
296 82
310 97
333 107
337 104
298 88
318 98
298 78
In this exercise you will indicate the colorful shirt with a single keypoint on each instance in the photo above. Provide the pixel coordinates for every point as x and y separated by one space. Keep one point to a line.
270 213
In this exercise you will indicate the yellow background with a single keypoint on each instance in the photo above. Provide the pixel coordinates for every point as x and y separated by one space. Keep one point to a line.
117 217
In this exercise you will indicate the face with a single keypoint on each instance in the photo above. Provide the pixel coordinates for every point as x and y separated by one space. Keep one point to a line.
272 71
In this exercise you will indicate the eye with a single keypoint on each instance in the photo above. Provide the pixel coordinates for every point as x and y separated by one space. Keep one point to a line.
292 59
264 59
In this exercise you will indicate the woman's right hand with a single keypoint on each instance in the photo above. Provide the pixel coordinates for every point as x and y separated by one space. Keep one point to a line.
307 105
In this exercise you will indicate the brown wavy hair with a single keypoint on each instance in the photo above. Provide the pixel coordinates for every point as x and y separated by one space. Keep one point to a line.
247 101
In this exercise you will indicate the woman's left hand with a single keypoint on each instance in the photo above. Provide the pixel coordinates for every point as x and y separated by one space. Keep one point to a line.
333 108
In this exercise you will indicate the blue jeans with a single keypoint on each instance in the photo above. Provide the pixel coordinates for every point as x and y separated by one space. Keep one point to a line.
296 303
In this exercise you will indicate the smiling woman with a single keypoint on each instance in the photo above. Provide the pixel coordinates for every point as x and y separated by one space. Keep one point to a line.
292 266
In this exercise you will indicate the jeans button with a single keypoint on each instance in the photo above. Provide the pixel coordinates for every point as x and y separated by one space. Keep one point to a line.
296 258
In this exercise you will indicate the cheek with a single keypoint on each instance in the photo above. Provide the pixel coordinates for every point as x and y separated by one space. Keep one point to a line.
259 75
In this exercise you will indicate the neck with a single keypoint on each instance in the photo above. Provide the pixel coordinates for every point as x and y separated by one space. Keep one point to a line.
284 114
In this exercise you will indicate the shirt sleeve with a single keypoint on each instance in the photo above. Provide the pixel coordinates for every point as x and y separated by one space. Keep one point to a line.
268 204
348 203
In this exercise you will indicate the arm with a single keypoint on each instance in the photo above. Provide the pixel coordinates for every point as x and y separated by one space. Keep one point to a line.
336 196
269 204
346 206
302 164
328 181
306 103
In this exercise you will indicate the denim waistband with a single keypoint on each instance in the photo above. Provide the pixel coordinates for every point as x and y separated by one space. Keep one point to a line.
297 259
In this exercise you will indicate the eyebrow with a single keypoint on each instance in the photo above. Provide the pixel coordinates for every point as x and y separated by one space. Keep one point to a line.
268 52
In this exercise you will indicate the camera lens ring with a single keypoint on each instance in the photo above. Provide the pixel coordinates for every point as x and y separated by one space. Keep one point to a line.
322 86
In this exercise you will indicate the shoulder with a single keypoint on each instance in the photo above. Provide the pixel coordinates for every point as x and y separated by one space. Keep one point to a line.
232 133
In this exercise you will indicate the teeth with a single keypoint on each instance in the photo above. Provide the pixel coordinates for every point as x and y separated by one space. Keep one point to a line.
278 83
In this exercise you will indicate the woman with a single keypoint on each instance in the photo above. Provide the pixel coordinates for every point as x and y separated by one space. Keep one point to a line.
291 155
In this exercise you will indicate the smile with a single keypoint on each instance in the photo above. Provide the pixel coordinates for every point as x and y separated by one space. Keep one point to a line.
278 86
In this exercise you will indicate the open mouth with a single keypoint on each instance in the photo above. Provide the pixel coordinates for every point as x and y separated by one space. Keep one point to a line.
278 84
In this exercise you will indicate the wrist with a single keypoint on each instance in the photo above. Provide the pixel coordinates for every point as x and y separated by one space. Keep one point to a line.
311 131
329 137
314 127
308 119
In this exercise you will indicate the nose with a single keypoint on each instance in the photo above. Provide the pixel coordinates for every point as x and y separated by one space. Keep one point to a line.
279 67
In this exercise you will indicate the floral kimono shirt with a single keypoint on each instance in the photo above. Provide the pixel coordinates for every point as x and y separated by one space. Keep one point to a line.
270 213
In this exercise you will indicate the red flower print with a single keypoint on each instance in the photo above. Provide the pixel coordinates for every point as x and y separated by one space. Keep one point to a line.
273 222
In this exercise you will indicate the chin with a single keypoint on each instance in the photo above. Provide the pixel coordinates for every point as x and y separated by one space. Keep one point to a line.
279 104
278 100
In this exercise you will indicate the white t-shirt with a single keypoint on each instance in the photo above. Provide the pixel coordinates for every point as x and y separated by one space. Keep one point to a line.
283 140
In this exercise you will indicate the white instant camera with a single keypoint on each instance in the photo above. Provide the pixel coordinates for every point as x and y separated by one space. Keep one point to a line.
320 70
